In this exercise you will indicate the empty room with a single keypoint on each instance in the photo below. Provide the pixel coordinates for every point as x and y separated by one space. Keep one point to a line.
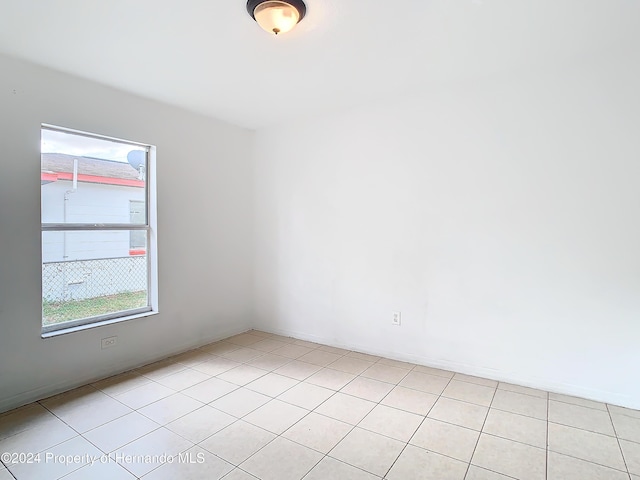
320 240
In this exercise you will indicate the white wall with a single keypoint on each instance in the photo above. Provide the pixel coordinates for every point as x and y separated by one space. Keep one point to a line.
204 220
500 218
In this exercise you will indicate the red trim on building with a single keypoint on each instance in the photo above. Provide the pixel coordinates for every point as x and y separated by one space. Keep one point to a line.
52 177
48 176
140 251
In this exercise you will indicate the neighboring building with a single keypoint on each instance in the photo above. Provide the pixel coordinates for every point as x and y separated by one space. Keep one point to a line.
75 263
111 191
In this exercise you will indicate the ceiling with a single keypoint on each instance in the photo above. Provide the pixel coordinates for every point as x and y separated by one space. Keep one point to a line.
210 57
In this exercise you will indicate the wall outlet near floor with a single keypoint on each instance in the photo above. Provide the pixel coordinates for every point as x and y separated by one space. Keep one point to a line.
395 319
109 342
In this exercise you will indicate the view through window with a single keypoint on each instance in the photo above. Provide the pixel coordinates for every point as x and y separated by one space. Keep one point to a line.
95 229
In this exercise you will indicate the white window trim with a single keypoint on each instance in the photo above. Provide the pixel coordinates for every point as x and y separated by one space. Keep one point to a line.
152 239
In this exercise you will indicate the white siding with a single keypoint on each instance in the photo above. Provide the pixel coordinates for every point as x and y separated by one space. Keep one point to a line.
90 203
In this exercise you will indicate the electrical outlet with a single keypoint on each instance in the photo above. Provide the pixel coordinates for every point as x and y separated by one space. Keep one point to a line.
109 342
395 319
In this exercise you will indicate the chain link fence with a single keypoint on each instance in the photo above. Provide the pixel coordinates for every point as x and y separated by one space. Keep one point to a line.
84 288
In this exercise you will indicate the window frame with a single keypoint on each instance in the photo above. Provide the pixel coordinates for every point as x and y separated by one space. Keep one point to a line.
149 227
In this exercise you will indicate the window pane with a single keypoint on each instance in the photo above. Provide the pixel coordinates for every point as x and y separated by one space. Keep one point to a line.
91 180
91 273
138 238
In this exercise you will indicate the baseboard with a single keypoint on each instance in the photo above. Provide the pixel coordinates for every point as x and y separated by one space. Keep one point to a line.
45 391
501 376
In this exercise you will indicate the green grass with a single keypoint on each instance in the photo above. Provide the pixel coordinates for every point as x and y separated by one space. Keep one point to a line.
56 312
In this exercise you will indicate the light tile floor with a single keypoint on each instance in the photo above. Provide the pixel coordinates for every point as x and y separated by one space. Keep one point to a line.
263 406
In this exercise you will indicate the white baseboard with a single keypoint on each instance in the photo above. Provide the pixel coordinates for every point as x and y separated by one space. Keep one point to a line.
48 390
45 391
493 374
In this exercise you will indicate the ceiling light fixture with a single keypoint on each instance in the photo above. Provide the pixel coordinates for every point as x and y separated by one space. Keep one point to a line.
277 16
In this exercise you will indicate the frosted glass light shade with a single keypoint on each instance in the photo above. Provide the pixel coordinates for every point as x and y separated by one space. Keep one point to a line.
276 16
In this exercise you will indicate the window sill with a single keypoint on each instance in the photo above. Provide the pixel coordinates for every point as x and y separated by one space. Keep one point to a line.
103 323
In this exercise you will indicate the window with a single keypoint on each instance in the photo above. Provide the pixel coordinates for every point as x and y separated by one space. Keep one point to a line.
97 207
137 238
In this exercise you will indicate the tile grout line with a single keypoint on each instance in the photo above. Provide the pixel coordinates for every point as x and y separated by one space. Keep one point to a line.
64 441
608 467
277 435
328 366
480 434
340 391
546 453
356 426
79 434
583 429
280 434
164 426
578 404
619 444
7 470
353 427
418 427
378 403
